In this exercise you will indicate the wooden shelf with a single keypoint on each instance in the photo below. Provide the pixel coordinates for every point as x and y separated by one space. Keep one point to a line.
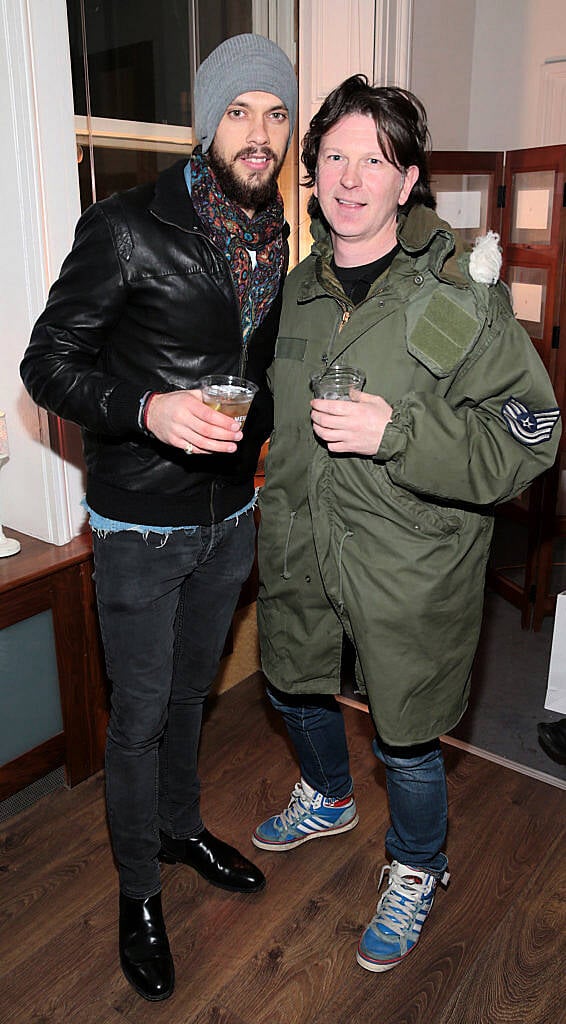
40 559
45 577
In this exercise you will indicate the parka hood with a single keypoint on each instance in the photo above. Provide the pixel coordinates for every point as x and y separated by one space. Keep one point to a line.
423 230
419 231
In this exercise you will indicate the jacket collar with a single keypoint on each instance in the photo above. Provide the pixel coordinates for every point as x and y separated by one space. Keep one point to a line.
420 233
171 201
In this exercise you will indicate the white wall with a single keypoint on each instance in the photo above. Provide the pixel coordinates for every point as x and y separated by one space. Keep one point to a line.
443 44
339 38
334 42
479 67
500 83
513 38
39 490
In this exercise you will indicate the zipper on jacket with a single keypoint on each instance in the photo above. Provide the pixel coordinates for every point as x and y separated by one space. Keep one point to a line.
346 314
214 247
286 575
243 346
243 359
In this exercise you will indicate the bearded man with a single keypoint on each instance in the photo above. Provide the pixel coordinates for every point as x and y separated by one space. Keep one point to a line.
167 283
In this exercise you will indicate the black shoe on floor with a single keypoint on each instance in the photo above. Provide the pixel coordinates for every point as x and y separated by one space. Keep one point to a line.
219 863
144 949
552 738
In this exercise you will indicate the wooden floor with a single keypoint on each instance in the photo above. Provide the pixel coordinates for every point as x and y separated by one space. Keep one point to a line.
492 952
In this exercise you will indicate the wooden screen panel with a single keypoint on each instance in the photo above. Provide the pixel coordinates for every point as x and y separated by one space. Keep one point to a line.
533 239
467 173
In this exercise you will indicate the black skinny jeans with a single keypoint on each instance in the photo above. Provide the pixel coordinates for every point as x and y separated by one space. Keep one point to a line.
165 605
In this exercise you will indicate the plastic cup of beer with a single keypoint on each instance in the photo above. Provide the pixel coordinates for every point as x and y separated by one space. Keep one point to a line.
337 382
228 394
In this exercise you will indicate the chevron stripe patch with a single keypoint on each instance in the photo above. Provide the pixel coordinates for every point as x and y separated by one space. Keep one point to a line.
526 426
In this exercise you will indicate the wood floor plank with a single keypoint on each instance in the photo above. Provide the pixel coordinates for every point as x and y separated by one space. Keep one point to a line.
294 973
54 823
48 1012
519 974
492 951
216 934
63 952
215 1014
51 899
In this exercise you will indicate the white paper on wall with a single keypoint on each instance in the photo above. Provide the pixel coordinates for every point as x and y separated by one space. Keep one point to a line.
532 209
460 209
527 301
556 689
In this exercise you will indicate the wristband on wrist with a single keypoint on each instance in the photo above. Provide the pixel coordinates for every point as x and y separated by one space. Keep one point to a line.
143 410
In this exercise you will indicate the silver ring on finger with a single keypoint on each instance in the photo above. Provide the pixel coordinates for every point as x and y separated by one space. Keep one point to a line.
189 449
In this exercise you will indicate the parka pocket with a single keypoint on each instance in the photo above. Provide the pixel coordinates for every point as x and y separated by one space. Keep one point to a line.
290 383
290 348
416 513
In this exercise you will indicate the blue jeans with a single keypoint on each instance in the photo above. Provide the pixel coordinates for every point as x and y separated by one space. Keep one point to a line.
165 606
415 777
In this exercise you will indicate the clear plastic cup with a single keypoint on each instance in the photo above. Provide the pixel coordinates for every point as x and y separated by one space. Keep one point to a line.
337 382
229 395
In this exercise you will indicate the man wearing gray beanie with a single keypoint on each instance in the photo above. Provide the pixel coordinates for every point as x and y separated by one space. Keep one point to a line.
246 63
166 284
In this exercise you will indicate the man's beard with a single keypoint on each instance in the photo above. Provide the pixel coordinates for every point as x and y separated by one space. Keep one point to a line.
248 194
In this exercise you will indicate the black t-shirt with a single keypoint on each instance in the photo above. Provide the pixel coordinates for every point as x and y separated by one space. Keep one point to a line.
357 281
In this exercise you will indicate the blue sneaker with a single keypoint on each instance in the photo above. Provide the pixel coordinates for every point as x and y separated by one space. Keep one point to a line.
308 816
401 912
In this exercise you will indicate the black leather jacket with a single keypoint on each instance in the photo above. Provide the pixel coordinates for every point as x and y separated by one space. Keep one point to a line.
145 301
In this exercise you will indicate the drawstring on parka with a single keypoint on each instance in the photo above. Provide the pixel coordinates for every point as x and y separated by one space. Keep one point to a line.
286 574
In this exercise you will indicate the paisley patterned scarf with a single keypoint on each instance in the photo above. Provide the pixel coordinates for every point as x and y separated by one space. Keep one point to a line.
234 234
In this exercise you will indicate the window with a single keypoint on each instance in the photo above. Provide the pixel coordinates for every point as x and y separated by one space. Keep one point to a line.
133 65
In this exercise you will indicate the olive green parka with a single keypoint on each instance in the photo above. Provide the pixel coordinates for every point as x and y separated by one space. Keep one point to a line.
393 548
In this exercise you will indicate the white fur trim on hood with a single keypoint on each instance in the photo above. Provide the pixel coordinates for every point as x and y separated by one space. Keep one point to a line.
485 259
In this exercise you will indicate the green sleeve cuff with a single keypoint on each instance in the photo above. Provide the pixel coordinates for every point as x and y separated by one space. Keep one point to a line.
394 440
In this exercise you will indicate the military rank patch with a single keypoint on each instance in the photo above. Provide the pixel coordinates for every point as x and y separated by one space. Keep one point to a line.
526 426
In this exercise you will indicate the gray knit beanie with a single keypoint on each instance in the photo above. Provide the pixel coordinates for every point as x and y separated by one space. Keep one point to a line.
246 63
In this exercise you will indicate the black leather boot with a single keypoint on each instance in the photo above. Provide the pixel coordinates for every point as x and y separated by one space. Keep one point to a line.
219 863
144 948
552 738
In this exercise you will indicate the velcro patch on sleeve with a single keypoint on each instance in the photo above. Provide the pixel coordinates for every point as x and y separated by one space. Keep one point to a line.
526 426
443 333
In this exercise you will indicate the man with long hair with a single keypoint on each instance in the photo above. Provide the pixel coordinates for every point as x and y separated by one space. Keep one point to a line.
377 510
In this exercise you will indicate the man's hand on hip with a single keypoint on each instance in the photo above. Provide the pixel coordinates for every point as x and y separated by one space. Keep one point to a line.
356 426
181 419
